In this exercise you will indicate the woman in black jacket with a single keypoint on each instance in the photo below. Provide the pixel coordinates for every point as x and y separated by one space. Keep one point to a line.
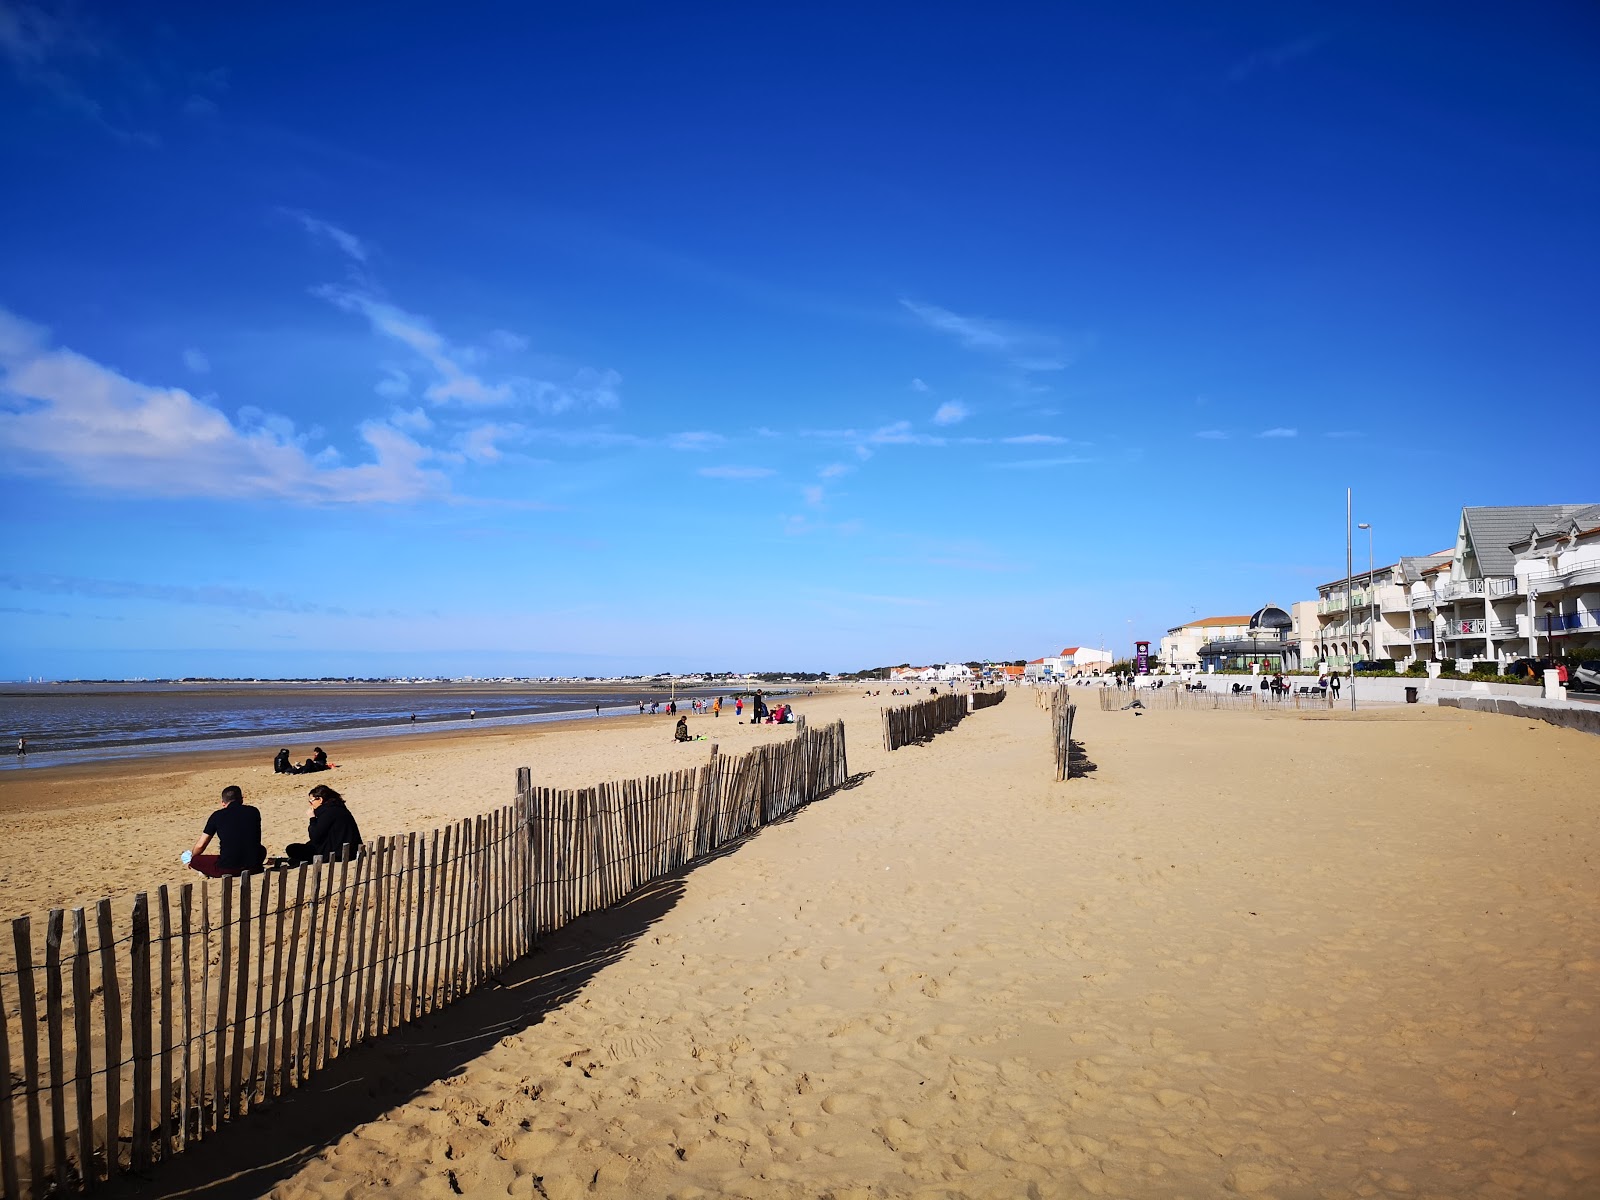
332 828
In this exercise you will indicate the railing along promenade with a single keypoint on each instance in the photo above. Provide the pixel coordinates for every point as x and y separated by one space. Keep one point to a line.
132 1044
1112 699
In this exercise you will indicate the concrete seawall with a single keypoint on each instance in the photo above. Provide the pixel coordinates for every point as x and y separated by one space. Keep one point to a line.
1567 716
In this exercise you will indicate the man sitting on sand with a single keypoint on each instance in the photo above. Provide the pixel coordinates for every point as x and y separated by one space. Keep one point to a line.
317 762
239 826
681 733
332 827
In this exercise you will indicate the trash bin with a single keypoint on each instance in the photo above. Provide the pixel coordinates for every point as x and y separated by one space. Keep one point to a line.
1411 695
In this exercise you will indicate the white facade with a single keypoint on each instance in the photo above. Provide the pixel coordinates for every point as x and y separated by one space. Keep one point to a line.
1558 576
1180 649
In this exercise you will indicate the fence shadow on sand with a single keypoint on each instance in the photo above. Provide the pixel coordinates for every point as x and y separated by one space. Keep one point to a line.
249 1158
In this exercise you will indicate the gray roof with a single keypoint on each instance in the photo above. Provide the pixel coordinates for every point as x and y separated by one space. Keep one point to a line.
1415 564
1493 531
1586 517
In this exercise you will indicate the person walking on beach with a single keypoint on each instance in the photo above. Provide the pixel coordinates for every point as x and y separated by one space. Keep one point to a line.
716 708
238 825
738 706
597 710
22 745
1333 684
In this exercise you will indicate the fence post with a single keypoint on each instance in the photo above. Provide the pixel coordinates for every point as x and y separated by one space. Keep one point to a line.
9 1175
140 947
53 1022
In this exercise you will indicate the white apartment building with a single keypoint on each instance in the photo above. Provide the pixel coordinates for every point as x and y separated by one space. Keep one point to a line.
1368 622
1484 600
1180 649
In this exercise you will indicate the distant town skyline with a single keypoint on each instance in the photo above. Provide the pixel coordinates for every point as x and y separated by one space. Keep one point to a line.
583 342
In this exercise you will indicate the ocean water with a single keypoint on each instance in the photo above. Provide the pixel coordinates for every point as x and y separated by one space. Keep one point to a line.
78 722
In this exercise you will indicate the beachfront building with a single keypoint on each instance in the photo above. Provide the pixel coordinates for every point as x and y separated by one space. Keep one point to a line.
1266 642
1079 659
1557 567
1368 620
1180 649
1073 660
1483 600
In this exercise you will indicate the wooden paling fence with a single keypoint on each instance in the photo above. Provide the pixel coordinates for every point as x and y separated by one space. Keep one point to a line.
119 1050
987 699
920 721
1112 699
1062 714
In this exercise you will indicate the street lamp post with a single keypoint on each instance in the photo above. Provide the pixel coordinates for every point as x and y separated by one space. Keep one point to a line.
1550 630
1372 614
1349 579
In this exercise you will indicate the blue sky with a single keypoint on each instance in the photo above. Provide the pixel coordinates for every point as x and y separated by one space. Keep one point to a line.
517 339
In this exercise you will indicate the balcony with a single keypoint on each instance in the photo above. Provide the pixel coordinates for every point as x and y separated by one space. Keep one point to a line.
1473 627
1469 589
1562 622
1579 575
1422 633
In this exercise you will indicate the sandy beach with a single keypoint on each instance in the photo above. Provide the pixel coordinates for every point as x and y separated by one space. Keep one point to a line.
1271 955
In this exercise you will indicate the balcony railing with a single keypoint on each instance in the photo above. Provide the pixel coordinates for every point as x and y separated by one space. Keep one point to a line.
1560 622
1472 627
1466 589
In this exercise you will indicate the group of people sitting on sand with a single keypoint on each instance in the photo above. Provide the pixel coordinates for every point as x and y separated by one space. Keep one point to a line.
317 762
330 831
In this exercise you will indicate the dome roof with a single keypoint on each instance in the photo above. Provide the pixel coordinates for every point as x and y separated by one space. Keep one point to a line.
1270 617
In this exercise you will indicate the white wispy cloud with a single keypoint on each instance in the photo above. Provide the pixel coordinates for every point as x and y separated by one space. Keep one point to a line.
73 417
1279 432
1035 439
695 440
1039 464
58 50
951 412
900 433
480 443
455 379
506 341
196 361
413 420
834 470
918 386
208 595
346 242
737 472
1026 350
813 495
1211 435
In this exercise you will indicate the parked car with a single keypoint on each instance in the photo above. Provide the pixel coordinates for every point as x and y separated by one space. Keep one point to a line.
1373 665
1584 677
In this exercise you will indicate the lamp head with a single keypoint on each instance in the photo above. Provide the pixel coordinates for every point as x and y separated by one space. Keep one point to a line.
1362 525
